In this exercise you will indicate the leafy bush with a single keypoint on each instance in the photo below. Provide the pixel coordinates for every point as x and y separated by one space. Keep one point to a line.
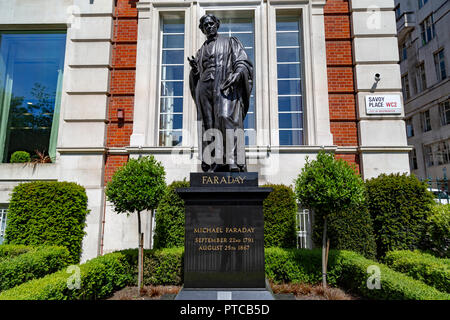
161 267
100 277
32 265
280 209
399 206
350 229
295 265
169 229
20 157
354 276
421 266
8 251
48 213
437 236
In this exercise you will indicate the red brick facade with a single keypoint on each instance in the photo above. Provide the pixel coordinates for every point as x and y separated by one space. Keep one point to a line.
340 79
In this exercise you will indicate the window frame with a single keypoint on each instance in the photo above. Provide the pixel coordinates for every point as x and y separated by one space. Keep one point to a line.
427 25
438 63
405 87
54 130
426 120
444 108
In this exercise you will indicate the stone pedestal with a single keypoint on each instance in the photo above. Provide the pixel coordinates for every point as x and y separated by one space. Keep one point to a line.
224 237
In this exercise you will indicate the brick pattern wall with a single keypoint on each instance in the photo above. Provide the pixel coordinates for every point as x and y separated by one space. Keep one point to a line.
342 95
123 71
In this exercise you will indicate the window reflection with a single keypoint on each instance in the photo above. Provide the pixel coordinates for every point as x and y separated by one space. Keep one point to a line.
31 68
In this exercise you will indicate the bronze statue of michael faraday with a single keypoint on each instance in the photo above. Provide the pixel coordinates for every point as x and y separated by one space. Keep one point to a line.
220 81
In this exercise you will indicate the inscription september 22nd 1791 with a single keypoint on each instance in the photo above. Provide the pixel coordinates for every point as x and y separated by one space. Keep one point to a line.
224 239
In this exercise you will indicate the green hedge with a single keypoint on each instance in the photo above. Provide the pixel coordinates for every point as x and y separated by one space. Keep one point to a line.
20 157
394 285
100 278
280 209
399 206
350 229
8 251
48 213
32 265
169 219
421 266
437 237
161 267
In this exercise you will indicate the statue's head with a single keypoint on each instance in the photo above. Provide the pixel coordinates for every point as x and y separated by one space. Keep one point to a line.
209 24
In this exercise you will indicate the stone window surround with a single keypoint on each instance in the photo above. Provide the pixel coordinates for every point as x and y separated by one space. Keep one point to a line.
317 125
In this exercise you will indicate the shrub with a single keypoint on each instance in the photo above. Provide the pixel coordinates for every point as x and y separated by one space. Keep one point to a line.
350 229
354 276
169 229
399 206
100 277
8 251
32 265
280 209
48 213
437 236
20 157
421 266
161 267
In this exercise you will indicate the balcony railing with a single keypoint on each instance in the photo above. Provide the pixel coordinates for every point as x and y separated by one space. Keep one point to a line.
405 23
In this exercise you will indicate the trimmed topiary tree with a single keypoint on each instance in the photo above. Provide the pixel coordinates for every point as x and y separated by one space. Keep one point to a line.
169 229
48 213
137 186
399 206
328 185
20 157
280 209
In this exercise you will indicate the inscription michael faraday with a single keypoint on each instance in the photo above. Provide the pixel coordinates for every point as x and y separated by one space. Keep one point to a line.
224 242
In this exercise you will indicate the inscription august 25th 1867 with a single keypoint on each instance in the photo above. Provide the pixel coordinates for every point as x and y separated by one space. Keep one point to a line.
224 238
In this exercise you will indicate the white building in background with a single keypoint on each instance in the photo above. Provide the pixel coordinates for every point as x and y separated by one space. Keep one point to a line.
424 44
112 81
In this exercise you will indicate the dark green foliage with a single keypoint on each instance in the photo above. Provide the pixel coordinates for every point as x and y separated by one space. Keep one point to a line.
329 185
296 265
280 209
169 229
437 234
399 206
48 213
137 186
161 267
354 276
100 277
20 157
32 265
8 251
349 229
421 266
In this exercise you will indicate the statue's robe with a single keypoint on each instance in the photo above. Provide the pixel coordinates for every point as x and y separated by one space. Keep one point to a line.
229 107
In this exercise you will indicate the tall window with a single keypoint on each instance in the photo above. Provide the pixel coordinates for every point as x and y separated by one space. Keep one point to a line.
3 212
403 51
421 77
31 70
428 152
439 62
243 29
444 111
427 29
426 121
289 74
413 160
405 87
409 128
422 3
442 153
171 80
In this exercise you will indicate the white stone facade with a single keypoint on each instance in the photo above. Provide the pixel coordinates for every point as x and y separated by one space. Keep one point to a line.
81 148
